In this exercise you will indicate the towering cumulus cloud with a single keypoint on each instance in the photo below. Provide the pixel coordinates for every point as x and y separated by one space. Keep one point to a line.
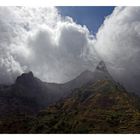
55 48
118 44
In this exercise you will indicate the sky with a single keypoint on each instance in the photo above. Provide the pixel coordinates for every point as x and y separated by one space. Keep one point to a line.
57 44
92 17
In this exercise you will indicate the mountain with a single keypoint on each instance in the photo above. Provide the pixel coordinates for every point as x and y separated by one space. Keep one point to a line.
101 107
29 94
87 77
91 103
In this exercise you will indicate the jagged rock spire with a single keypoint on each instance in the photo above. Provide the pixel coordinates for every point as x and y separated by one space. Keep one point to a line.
101 66
25 78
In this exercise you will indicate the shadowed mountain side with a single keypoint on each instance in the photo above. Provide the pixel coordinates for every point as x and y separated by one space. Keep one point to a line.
29 94
100 107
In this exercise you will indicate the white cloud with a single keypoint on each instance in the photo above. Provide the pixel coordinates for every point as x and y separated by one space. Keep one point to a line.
55 48
62 52
118 43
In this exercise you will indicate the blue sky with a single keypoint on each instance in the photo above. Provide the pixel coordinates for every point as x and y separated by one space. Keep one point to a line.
92 17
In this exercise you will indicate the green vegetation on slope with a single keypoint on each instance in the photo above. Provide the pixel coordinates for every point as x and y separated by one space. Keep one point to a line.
101 107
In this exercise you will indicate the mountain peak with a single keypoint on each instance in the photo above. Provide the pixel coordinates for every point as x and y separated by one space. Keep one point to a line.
25 78
101 66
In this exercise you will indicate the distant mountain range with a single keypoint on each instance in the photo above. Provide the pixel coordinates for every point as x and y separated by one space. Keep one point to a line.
91 103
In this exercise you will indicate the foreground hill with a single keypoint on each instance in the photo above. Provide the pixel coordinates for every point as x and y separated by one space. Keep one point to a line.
100 107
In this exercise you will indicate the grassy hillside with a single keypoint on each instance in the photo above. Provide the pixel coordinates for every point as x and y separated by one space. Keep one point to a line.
102 107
